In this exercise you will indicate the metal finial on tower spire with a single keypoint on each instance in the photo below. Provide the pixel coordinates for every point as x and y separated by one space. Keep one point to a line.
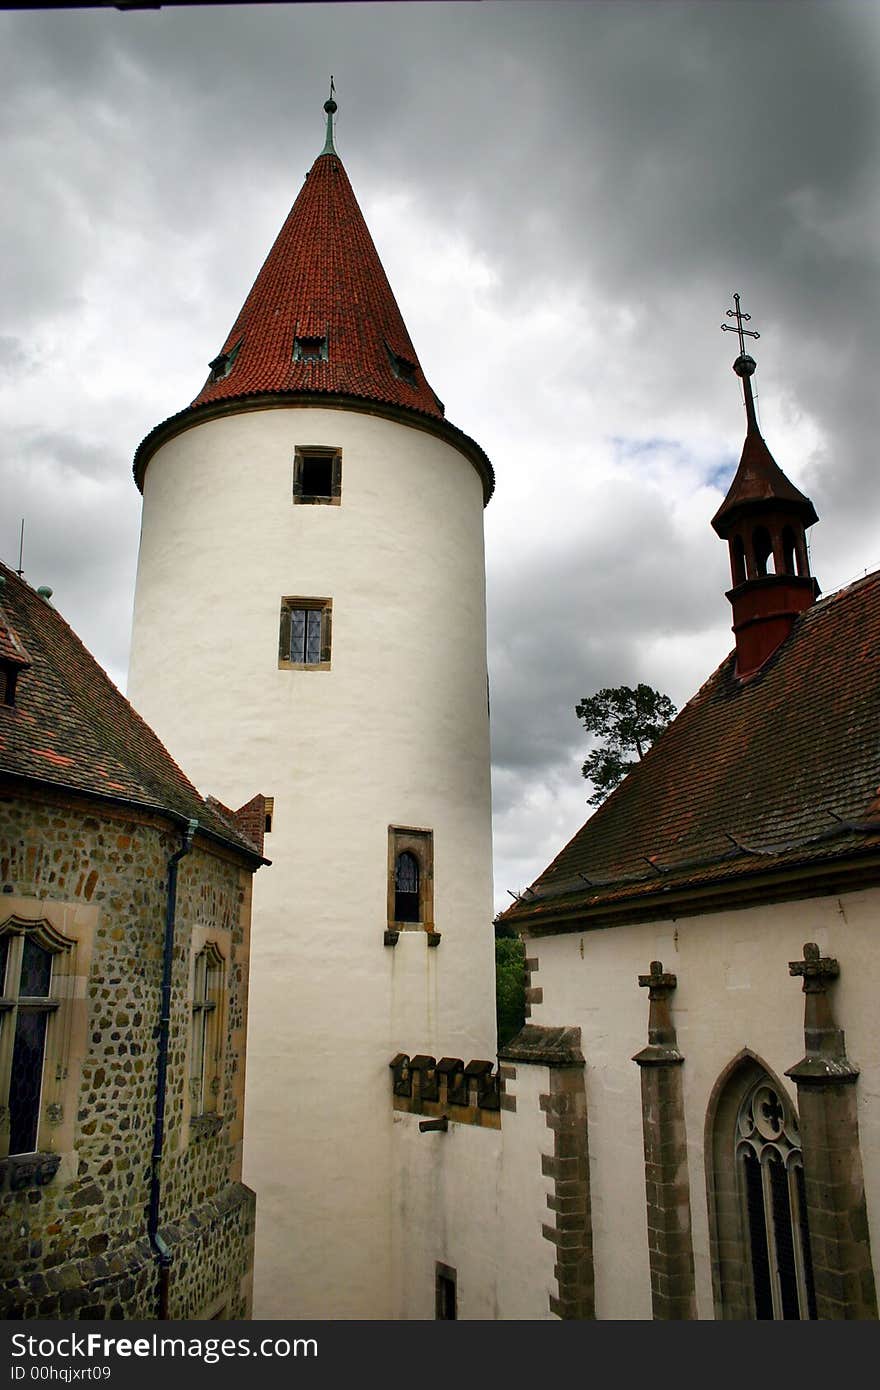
745 365
330 107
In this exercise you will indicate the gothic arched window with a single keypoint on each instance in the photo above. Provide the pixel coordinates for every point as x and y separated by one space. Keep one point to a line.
771 1178
406 888
410 882
759 1238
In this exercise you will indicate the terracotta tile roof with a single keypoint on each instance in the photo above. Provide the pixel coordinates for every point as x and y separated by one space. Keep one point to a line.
12 650
72 729
754 777
323 279
757 480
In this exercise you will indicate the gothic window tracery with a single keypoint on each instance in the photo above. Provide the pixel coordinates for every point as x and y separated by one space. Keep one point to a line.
771 1180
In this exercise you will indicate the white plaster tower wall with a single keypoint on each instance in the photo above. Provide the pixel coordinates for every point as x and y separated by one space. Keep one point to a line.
394 733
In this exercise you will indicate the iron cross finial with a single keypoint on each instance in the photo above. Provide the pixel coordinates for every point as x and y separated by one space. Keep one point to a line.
741 318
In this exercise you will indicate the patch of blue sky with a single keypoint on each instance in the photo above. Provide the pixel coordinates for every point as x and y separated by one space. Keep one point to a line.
715 471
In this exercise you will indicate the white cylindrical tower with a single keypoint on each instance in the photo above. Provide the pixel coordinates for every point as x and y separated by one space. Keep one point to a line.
310 624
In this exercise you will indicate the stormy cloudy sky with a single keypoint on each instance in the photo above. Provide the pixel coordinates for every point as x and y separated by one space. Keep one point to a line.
565 197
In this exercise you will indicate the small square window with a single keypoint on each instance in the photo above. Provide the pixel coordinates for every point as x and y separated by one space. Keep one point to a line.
317 475
310 350
223 363
410 879
304 634
402 367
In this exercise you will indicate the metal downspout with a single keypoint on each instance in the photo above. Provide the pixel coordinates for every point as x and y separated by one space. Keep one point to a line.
162 1252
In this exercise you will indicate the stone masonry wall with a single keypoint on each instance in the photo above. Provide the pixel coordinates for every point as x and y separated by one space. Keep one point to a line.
77 1246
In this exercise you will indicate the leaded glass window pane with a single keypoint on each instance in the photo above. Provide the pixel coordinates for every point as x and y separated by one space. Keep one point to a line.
784 1237
297 634
313 636
4 956
36 970
758 1236
26 1079
305 635
407 873
406 888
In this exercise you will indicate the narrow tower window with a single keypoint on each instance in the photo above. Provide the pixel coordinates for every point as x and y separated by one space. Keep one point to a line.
762 547
738 560
410 879
317 475
406 888
304 634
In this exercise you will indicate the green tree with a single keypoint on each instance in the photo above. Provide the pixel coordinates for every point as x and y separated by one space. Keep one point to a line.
510 983
630 721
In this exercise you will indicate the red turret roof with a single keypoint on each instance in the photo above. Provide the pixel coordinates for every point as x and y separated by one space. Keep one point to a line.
323 280
759 482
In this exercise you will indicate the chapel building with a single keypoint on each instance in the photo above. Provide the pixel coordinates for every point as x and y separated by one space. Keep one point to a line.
732 1118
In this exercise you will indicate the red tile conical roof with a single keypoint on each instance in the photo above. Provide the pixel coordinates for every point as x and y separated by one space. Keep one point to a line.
323 281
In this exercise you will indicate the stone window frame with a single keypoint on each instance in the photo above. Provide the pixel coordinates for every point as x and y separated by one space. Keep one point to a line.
56 1090
322 605
420 843
323 451
729 1239
208 1029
